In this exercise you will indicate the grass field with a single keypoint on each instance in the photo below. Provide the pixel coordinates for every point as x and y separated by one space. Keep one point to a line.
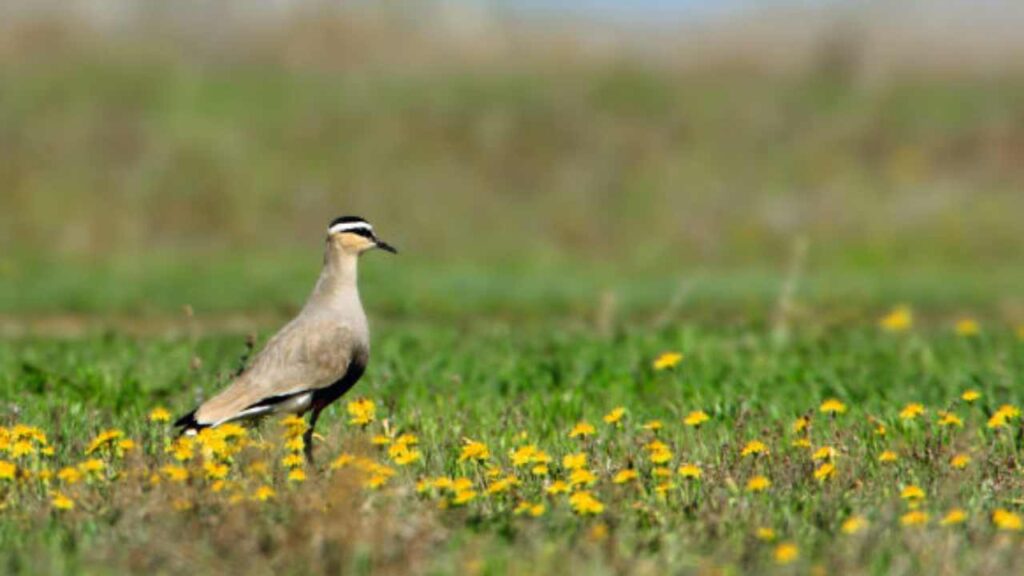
565 220
437 503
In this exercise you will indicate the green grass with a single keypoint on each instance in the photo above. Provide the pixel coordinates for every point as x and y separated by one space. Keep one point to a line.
492 382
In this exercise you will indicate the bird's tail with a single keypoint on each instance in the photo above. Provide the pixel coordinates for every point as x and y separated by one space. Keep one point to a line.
188 424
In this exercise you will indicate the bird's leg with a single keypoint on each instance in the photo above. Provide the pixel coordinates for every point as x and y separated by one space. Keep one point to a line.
307 438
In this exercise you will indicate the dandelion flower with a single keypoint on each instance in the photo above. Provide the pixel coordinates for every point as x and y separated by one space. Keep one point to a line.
758 484
582 477
950 419
801 424
764 534
361 411
1006 520
264 493
953 517
853 525
754 447
297 475
911 411
216 471
623 476
691 471
584 502
92 465
696 418
557 487
615 416
159 414
464 497
667 360
824 453
659 452
899 319
293 461
832 406
887 456
102 439
786 553
914 518
825 471
801 443
970 395
912 493
653 425
175 473
582 430
69 475
967 327
960 461
574 461
62 502
473 450
7 470
539 470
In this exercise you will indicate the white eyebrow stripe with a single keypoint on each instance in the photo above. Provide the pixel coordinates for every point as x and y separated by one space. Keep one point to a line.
349 226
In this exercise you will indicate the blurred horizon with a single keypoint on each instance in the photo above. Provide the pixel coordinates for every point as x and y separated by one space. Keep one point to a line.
155 156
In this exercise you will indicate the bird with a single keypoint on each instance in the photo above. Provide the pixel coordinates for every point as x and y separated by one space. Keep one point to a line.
316 357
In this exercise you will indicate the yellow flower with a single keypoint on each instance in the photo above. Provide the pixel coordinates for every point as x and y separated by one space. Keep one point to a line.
582 430
584 502
887 456
403 456
297 475
953 517
615 416
659 452
557 487
92 465
407 439
264 493
215 471
624 476
696 418
832 406
690 471
758 484
295 444
7 470
667 360
967 327
473 450
464 497
899 319
126 445
754 447
574 461
175 473
825 471
653 425
69 475
786 553
342 461
503 485
22 448
960 461
539 470
854 524
911 411
581 477
950 419
292 461
912 492
361 411
525 507
62 502
523 455
102 439
824 453
159 414
764 534
970 395
880 429
1006 520
661 472
914 518
801 424
801 443
537 510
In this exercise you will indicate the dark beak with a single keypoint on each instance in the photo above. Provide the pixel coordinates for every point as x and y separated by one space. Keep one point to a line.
385 246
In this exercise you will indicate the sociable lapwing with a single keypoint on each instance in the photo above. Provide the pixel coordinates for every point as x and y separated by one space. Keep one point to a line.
314 359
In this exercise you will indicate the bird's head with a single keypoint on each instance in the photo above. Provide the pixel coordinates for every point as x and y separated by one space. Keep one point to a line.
354 235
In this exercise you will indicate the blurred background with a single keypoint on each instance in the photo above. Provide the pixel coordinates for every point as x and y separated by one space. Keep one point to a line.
583 159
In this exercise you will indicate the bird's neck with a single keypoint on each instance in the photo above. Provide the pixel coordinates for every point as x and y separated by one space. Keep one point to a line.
337 284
